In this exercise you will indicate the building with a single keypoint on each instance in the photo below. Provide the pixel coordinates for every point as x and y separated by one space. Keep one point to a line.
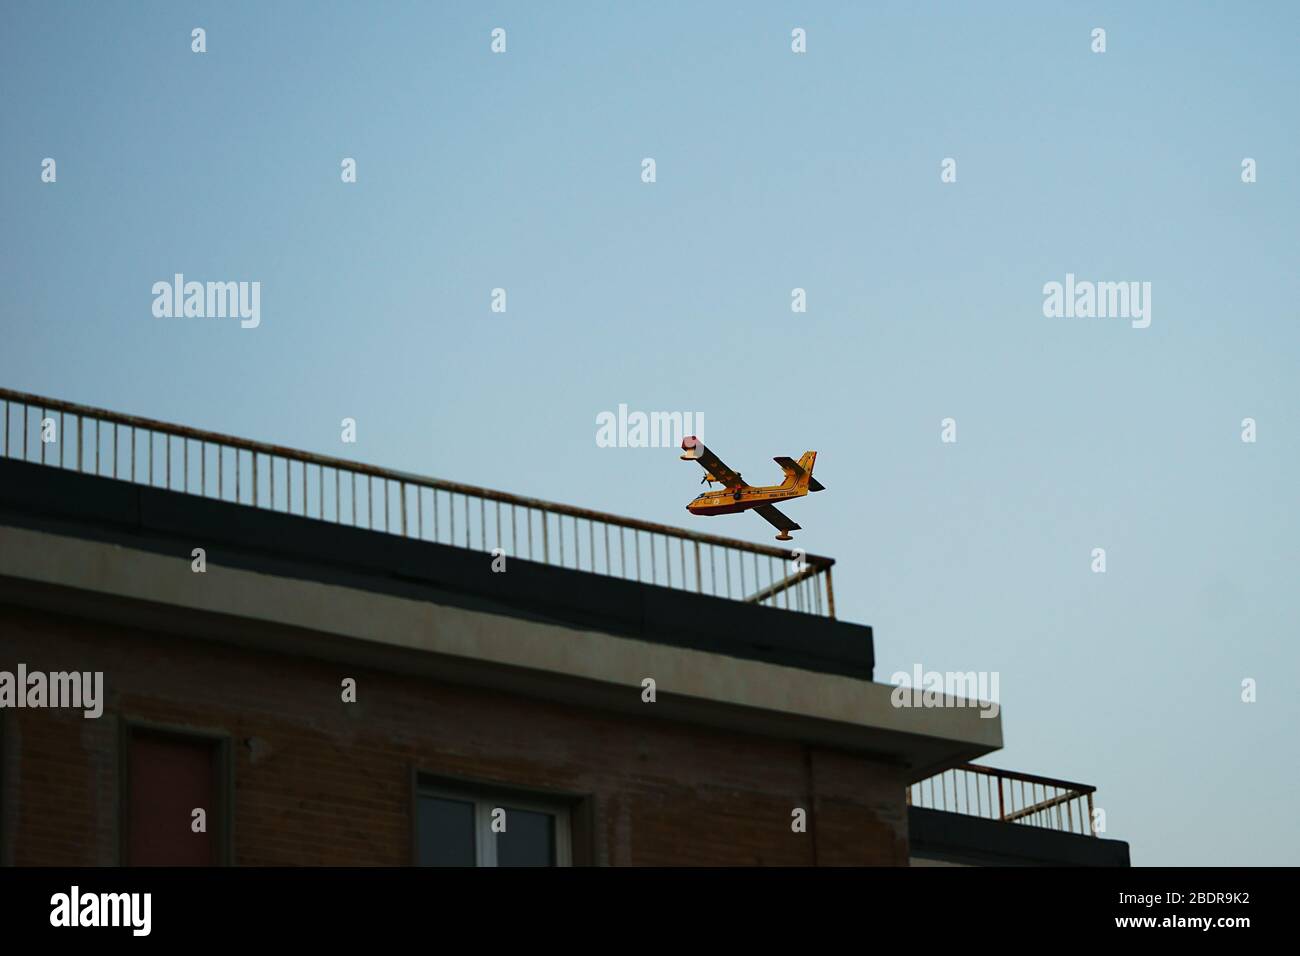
311 661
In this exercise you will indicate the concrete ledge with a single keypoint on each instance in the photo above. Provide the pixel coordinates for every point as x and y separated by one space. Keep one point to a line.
936 836
97 580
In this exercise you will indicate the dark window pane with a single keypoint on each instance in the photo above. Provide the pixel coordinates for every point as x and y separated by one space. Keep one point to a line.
529 839
446 836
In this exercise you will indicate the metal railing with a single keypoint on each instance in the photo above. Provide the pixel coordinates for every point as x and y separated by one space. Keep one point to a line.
261 475
1009 796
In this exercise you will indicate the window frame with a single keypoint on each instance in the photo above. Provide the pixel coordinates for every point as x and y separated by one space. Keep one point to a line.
486 797
222 816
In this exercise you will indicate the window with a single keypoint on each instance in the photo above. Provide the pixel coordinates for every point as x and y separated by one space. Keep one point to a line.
166 777
479 828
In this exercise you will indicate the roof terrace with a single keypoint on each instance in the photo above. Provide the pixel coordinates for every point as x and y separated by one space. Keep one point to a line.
260 475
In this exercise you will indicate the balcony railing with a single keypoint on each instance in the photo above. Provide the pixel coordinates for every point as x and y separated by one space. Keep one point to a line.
1009 796
260 475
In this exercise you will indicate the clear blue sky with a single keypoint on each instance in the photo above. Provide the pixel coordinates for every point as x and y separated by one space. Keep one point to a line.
774 171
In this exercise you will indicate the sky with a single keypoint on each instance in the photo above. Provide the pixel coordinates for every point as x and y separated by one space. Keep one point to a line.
773 171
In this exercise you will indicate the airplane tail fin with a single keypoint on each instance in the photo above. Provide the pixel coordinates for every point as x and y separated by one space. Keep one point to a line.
800 472
806 463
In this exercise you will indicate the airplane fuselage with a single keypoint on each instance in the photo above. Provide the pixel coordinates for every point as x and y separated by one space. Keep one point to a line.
729 501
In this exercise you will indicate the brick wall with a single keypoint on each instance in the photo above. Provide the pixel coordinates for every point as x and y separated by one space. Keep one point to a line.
321 782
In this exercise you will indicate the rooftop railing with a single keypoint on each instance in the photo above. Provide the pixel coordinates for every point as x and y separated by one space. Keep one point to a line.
260 475
1009 796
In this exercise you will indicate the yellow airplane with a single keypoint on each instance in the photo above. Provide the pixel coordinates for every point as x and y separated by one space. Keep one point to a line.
736 495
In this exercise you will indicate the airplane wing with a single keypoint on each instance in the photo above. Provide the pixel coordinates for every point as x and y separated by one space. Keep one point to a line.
776 519
717 469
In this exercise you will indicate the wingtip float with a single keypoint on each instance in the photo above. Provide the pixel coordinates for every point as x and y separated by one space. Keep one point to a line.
737 495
